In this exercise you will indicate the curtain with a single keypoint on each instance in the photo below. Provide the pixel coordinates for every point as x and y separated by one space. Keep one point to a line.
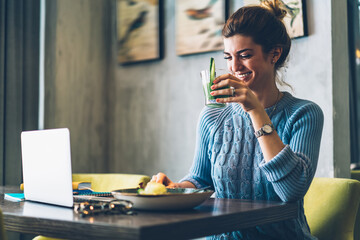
19 81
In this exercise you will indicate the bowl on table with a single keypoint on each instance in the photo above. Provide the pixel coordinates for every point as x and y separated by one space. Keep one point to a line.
174 199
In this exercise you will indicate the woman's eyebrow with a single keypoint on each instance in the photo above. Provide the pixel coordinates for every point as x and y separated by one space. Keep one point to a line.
239 52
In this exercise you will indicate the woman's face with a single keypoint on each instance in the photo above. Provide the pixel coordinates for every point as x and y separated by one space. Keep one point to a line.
247 60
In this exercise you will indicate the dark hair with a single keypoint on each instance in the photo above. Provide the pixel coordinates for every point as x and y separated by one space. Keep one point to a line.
263 23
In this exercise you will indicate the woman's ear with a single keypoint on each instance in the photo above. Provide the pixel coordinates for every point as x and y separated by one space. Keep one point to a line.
275 54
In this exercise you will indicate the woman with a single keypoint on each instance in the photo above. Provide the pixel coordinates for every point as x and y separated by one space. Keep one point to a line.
264 145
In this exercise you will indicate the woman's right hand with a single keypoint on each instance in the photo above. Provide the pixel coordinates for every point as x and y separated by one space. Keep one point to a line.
162 178
240 94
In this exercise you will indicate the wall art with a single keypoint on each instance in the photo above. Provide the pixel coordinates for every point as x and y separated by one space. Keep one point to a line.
295 20
198 25
138 30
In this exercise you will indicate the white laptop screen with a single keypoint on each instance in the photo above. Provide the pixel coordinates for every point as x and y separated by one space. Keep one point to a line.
46 162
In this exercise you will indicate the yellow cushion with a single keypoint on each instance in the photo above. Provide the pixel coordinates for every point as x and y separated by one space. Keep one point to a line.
355 174
46 238
330 207
2 231
106 182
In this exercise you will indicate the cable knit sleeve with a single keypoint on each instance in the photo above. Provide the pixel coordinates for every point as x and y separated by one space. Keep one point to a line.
200 172
292 170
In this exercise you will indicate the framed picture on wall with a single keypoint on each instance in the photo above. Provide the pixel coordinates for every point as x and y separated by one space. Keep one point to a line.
198 25
295 20
138 30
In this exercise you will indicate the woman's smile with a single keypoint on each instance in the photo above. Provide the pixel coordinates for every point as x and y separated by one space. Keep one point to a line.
246 76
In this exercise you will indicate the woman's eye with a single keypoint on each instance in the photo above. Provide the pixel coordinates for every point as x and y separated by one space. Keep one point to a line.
227 57
245 56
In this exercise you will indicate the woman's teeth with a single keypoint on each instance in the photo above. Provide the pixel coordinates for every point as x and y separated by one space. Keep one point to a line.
243 75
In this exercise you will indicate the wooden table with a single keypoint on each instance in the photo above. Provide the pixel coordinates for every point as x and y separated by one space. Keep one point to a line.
214 216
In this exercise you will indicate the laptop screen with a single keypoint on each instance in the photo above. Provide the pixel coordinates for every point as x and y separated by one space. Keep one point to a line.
46 162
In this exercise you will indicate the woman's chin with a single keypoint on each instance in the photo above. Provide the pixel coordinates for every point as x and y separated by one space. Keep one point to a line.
247 81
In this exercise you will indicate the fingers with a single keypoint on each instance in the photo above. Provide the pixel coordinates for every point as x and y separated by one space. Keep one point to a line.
222 83
240 95
224 92
161 178
224 76
227 80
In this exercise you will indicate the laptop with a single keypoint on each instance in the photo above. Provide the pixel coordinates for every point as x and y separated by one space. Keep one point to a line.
46 166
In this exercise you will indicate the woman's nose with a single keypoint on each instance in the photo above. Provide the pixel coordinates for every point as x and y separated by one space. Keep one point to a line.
236 65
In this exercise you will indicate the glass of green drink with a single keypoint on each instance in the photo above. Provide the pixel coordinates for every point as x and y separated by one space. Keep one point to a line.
207 82
207 78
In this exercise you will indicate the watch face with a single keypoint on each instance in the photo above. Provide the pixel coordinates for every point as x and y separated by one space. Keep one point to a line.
267 129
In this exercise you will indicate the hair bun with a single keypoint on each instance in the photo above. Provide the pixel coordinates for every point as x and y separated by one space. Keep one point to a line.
276 7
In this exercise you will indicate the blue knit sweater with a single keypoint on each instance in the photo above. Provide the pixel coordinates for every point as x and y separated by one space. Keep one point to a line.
228 157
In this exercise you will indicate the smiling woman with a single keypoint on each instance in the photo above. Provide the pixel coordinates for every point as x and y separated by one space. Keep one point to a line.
265 144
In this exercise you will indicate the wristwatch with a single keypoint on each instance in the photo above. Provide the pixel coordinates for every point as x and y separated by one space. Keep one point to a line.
265 130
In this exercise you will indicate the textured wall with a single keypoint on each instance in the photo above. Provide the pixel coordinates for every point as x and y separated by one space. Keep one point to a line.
76 74
156 107
310 73
318 70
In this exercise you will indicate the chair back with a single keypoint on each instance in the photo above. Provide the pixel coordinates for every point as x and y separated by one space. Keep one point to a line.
106 182
2 230
330 207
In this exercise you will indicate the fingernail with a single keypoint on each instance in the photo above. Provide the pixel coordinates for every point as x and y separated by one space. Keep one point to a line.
212 93
212 87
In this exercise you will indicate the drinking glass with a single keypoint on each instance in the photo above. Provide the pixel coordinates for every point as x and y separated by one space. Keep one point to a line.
210 100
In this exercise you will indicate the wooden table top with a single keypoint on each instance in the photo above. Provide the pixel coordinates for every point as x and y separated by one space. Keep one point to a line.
214 216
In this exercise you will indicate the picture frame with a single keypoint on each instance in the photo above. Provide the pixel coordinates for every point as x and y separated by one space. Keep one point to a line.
139 30
295 21
198 25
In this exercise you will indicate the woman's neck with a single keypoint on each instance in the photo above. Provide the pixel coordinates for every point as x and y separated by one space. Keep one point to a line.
269 97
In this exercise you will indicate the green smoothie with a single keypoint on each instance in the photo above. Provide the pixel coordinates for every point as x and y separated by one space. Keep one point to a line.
207 80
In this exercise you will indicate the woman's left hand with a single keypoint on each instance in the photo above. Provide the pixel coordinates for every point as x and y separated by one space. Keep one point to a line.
240 93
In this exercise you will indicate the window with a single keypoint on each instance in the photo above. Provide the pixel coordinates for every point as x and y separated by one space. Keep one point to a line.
354 54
